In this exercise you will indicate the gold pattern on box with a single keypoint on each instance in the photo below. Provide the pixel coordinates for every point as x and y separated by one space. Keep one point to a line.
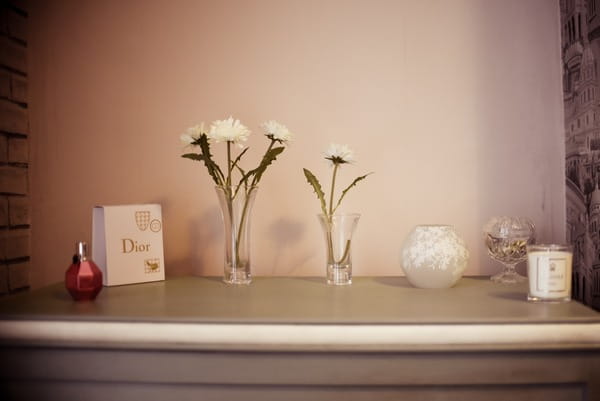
142 219
152 265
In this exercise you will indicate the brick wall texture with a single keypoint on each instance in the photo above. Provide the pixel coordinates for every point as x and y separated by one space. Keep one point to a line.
14 149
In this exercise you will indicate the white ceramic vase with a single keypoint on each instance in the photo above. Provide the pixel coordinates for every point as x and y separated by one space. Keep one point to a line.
434 256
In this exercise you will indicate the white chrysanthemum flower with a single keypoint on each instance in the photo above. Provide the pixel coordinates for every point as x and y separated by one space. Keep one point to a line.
229 130
192 134
277 131
339 154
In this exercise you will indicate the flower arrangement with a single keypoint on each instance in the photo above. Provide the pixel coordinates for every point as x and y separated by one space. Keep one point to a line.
233 132
337 155
235 195
338 228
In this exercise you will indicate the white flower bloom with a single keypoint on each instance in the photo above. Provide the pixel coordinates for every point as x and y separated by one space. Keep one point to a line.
229 130
339 154
192 134
277 131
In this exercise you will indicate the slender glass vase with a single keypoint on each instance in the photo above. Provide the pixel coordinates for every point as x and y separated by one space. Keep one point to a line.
338 230
236 209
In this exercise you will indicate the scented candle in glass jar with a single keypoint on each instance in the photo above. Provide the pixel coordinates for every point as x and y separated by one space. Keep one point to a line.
549 269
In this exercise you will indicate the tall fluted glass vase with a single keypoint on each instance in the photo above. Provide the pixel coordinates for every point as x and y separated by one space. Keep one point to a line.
236 209
338 230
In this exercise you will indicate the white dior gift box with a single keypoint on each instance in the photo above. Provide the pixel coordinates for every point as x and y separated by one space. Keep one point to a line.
127 243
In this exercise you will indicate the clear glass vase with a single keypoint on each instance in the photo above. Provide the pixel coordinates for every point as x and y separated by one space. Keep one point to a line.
236 209
338 230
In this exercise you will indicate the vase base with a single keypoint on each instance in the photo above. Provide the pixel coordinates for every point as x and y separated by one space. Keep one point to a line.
237 277
331 282
508 277
339 274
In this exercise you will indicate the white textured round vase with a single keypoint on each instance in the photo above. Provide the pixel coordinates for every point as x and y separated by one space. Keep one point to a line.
434 256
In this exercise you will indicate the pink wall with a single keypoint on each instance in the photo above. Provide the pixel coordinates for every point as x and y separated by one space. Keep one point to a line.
456 106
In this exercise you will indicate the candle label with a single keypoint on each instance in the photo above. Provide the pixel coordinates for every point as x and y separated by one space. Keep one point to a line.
551 274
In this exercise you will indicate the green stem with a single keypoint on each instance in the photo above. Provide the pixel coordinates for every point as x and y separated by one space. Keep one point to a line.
229 202
230 196
345 254
330 240
330 215
255 179
330 244
247 191
229 167
335 168
241 226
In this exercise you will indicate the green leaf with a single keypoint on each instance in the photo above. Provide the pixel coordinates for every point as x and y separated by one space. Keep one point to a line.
238 158
267 159
213 169
314 182
194 156
345 191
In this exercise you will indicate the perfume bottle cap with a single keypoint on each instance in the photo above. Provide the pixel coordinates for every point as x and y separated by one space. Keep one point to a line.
81 251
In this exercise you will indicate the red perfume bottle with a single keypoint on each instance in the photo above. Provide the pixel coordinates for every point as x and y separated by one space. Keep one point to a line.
83 278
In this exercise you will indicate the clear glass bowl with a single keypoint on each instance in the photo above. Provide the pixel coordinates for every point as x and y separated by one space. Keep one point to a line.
506 239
